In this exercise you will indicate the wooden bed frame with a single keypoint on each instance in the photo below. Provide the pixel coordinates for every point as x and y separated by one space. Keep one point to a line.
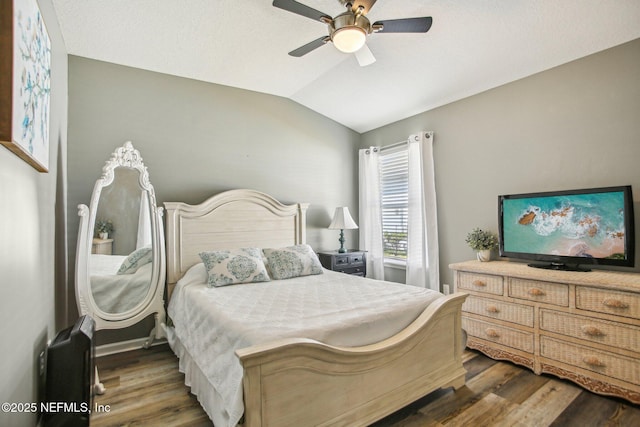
300 382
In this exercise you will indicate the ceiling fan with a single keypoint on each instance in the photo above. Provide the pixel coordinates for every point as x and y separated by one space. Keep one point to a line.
349 30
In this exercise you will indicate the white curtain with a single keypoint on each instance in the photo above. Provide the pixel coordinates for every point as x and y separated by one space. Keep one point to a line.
370 216
144 222
422 229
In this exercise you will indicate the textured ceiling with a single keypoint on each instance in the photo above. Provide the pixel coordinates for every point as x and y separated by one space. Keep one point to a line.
473 45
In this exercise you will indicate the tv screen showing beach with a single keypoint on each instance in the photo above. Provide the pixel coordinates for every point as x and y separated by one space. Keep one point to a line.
577 225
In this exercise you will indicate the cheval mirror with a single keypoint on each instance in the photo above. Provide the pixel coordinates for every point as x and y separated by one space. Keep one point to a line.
120 259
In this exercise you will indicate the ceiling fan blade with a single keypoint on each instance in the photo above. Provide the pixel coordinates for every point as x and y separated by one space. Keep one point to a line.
408 25
364 56
355 4
301 9
303 50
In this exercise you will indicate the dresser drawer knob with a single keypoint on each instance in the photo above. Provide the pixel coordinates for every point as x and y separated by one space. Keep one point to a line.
492 309
615 303
535 292
479 283
492 333
591 331
593 361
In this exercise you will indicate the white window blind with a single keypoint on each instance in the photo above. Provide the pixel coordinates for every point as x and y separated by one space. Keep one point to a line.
394 188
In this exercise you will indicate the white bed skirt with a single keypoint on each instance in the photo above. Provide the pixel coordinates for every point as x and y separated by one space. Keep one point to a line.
195 379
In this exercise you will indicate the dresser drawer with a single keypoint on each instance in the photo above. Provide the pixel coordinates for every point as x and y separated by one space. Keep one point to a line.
499 334
356 271
612 365
625 304
481 283
350 262
341 260
356 260
495 309
601 331
544 292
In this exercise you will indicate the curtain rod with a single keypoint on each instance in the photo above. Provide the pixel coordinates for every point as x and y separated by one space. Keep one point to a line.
417 138
397 144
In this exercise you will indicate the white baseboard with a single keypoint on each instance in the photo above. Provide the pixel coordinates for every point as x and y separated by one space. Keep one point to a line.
121 347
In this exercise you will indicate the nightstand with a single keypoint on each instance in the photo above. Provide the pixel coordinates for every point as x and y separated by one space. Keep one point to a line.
351 262
102 246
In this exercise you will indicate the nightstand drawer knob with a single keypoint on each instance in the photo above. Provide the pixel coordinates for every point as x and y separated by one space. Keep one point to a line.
342 261
493 309
478 282
356 259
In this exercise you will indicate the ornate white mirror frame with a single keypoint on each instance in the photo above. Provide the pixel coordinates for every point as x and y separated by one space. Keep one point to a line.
153 302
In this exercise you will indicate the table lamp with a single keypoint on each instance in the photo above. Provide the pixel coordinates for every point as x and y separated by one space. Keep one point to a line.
342 221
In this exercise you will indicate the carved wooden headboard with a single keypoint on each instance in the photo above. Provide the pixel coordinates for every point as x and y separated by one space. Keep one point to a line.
229 220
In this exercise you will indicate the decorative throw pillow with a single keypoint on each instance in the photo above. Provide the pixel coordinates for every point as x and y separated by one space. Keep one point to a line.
292 261
229 267
135 260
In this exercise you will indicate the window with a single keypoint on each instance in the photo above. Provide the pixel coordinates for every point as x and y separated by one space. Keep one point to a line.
394 188
397 198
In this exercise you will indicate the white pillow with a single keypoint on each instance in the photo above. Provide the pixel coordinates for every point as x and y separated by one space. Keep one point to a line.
135 260
292 261
230 267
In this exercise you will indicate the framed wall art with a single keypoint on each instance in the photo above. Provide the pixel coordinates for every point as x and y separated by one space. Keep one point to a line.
25 82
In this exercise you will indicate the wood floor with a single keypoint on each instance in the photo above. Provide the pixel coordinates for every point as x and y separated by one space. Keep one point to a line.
144 387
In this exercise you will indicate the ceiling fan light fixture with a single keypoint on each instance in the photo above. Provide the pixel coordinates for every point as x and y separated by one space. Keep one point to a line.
349 39
349 30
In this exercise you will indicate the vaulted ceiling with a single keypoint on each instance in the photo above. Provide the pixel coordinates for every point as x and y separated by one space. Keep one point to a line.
472 46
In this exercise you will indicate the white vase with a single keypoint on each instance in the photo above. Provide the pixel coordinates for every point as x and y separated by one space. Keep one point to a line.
104 236
484 255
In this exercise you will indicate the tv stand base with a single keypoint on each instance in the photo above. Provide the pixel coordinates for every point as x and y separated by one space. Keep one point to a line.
559 266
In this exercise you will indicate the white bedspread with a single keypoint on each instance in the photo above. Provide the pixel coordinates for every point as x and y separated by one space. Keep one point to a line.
117 293
334 308
105 265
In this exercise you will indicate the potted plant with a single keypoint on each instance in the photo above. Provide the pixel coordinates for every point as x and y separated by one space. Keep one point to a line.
482 242
104 228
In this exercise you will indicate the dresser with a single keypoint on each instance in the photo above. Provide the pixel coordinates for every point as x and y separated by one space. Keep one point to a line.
350 262
584 327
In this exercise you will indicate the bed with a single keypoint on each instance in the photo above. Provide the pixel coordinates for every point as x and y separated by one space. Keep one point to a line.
335 370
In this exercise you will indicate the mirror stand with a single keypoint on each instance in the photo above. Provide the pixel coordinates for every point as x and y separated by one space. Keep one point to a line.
120 259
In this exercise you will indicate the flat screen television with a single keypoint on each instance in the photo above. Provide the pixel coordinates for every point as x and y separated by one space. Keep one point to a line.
569 229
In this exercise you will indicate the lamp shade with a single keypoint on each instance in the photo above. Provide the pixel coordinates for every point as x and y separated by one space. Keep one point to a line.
342 220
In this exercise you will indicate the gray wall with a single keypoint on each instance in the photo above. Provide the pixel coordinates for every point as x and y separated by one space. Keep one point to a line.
569 127
32 247
120 203
198 139
574 126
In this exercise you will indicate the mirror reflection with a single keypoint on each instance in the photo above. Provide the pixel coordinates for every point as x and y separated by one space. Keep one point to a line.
121 261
